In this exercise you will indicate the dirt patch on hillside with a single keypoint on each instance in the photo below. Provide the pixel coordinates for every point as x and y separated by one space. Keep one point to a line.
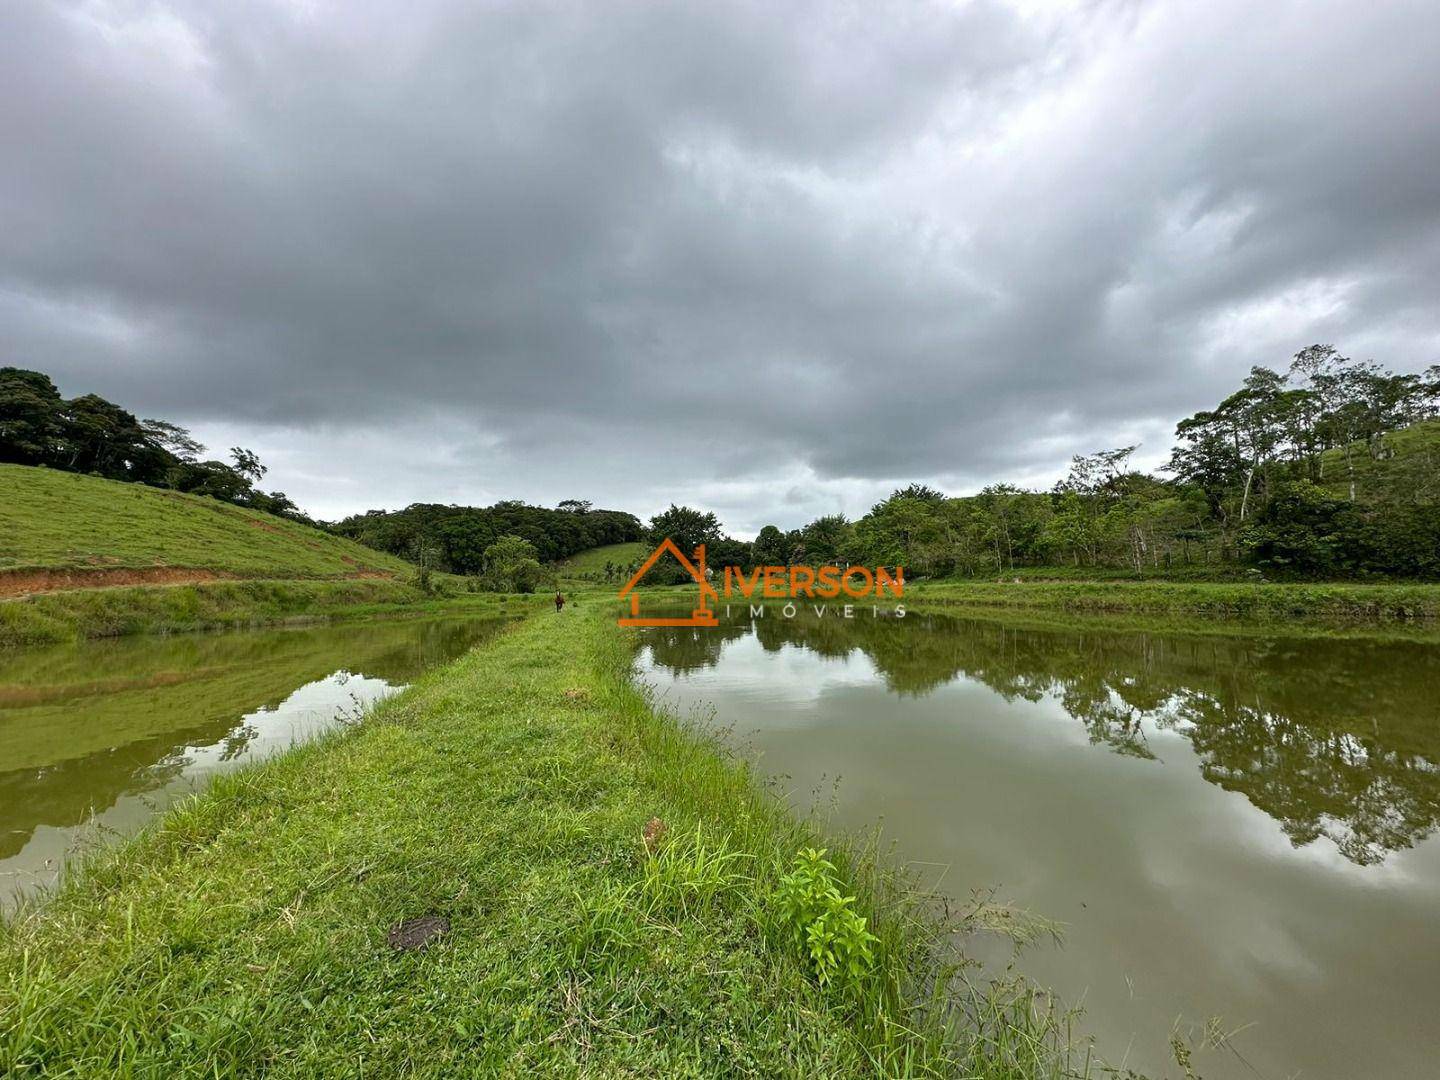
25 582
15 583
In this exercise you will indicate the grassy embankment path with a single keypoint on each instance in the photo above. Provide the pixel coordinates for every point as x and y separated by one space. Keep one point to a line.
246 931
1219 600
82 557
1222 607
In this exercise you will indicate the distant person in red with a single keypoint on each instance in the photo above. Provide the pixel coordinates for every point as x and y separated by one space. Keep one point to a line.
559 601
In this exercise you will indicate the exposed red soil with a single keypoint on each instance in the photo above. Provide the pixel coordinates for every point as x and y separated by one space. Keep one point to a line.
24 582
15 583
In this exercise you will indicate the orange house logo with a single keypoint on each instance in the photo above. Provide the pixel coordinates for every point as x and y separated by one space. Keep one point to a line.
701 616
771 582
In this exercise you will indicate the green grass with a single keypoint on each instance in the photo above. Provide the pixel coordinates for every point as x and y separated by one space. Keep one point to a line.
1192 572
79 614
55 520
65 527
1411 459
589 566
1238 604
246 932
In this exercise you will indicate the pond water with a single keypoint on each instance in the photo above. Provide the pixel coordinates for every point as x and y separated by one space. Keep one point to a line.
1233 827
96 738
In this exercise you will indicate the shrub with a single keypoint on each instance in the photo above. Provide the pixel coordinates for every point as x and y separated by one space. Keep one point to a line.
822 922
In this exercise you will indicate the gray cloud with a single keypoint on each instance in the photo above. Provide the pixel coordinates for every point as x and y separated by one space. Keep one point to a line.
772 259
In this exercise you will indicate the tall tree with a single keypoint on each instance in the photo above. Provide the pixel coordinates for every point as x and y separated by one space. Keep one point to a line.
685 525
247 464
1253 414
30 419
511 565
824 539
174 438
771 548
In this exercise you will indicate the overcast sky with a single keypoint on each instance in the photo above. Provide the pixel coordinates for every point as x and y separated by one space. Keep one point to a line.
773 259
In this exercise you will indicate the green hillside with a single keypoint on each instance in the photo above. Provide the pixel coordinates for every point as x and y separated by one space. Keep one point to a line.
98 530
1403 464
589 566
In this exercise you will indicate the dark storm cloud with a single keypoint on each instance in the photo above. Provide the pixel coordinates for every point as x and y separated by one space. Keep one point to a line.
745 254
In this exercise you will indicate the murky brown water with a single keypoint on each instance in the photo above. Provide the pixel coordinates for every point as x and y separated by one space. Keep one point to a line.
1234 827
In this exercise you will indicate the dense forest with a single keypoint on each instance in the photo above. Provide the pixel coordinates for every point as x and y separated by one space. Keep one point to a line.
88 434
1330 469
460 538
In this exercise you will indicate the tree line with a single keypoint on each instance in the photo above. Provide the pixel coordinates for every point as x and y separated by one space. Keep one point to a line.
88 434
499 542
1329 469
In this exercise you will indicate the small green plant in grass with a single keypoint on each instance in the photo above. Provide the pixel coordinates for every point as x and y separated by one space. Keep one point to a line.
605 931
690 874
822 921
